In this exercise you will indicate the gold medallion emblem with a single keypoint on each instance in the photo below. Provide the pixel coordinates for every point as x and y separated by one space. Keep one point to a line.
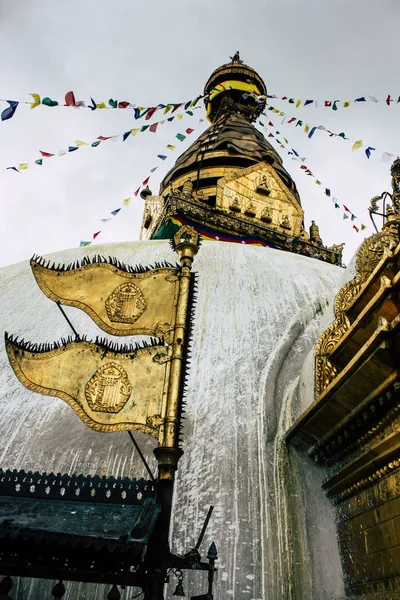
125 304
109 389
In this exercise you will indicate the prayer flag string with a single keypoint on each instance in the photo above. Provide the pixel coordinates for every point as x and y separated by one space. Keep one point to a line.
101 138
70 101
144 183
310 130
347 214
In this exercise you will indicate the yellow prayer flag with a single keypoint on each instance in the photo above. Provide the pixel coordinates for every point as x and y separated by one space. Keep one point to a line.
170 147
36 100
346 103
101 105
134 131
80 143
357 145
23 166
179 116
140 107
318 182
306 128
282 114
168 108
126 201
298 103
275 110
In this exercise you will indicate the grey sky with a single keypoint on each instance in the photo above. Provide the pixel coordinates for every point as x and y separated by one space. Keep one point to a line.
156 52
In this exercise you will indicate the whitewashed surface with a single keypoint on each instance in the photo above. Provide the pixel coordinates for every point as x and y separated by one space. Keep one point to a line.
257 317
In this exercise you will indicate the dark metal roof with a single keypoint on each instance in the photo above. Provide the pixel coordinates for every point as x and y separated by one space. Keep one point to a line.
74 527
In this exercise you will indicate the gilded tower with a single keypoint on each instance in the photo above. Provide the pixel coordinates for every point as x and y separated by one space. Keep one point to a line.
230 184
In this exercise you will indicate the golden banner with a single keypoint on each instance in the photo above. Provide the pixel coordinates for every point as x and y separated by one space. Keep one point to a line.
119 300
109 389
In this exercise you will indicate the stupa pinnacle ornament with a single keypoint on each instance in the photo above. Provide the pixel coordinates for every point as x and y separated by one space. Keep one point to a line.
230 184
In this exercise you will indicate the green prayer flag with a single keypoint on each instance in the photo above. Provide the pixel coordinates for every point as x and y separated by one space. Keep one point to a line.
82 243
189 112
48 102
180 137
39 161
144 127
96 143
113 103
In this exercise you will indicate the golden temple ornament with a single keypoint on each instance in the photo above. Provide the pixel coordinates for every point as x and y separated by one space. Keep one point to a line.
109 389
120 300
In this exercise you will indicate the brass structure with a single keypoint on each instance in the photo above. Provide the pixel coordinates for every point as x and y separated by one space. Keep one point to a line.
119 301
231 179
353 427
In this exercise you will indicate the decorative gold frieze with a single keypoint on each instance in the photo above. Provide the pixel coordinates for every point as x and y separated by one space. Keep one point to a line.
120 301
109 389
369 255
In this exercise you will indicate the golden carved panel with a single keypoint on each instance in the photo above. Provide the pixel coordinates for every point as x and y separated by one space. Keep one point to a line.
259 193
369 255
119 301
109 390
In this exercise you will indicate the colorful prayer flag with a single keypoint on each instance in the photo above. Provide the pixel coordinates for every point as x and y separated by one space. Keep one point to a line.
70 99
123 104
313 130
153 127
150 112
48 102
96 234
356 145
368 151
36 100
46 154
9 112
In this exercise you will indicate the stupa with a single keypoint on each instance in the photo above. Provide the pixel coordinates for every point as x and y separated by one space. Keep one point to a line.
266 292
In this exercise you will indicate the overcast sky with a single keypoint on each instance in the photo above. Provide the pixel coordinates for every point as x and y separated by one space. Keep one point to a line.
161 52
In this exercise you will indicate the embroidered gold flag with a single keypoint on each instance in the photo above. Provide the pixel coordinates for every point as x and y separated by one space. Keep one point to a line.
110 389
121 300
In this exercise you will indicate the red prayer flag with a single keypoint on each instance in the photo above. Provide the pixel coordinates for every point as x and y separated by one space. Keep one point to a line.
153 127
271 124
70 99
146 181
388 100
150 112
176 106
328 102
123 104
346 209
137 191
189 130
46 154
271 135
96 234
291 120
303 167
102 137
356 228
